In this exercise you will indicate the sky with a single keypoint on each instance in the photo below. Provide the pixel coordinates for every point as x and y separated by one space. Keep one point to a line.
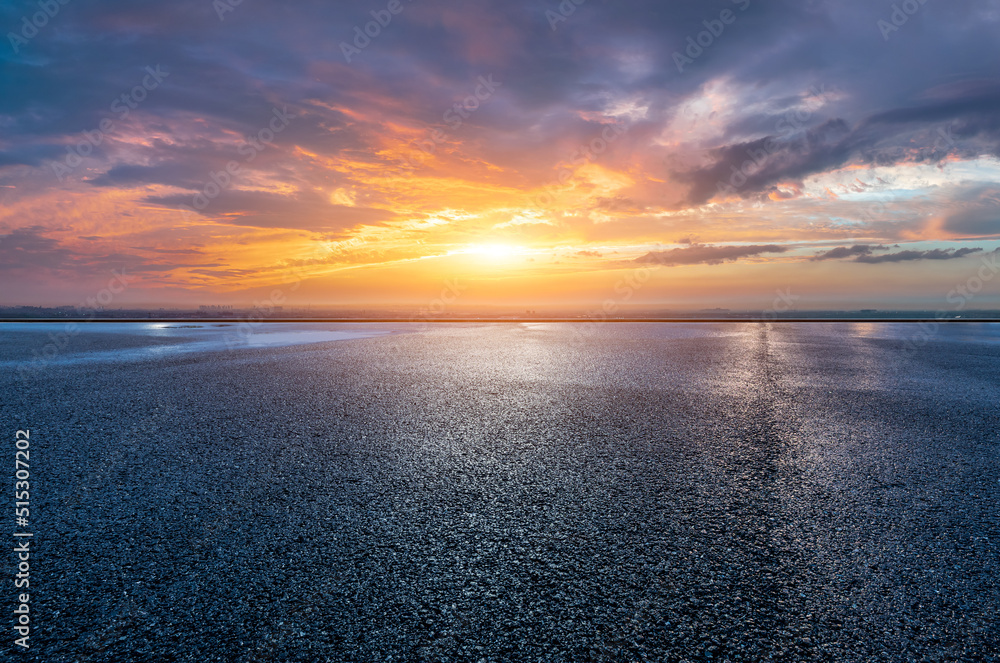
613 154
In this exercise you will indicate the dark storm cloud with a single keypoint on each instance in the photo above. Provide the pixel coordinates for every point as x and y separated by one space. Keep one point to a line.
699 254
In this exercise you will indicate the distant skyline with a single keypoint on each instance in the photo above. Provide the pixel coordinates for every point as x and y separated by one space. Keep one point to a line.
585 154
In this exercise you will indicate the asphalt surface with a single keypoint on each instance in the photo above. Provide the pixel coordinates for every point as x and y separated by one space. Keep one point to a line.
517 492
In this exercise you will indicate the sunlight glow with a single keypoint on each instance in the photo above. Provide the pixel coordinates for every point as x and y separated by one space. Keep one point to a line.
493 251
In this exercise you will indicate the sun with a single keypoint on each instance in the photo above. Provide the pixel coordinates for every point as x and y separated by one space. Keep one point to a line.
493 251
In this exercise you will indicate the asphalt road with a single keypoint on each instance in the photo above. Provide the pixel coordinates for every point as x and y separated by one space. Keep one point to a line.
517 492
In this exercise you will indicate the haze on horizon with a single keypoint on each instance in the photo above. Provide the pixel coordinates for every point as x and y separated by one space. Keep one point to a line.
683 155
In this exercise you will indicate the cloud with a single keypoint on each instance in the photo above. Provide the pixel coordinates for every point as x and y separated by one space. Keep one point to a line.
903 256
745 106
177 174
756 166
973 102
842 252
866 253
983 222
28 248
152 249
702 254
260 209
966 125
29 155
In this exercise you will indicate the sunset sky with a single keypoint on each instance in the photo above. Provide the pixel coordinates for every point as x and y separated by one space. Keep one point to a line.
528 153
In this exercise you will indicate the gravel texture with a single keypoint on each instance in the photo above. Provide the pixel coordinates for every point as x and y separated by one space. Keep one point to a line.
519 492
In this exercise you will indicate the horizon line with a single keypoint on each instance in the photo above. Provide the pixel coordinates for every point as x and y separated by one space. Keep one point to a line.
235 321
